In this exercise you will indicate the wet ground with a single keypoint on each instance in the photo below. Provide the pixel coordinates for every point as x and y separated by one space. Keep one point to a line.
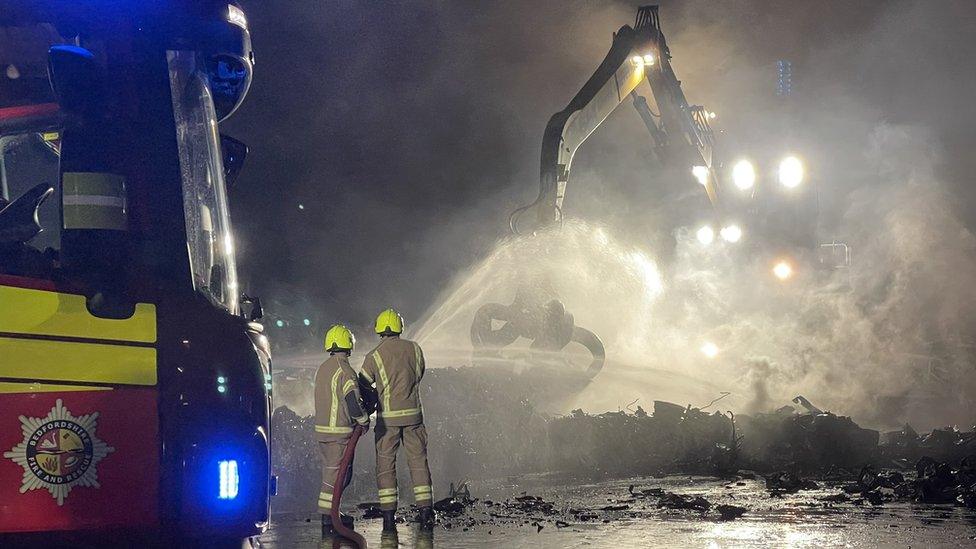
605 514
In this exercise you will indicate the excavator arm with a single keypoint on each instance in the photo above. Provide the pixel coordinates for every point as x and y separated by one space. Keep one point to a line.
680 132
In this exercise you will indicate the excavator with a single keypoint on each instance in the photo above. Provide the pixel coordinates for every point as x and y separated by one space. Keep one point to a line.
134 389
681 136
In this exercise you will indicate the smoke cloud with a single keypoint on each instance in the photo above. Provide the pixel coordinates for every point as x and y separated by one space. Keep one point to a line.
408 132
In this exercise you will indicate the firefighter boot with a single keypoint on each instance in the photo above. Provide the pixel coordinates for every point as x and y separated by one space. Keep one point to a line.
389 521
426 519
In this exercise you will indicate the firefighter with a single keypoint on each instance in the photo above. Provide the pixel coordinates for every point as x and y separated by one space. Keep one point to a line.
337 410
395 368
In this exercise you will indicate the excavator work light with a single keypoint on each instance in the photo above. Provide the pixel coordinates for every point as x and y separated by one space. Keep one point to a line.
701 174
705 235
783 270
744 175
790 172
709 349
731 233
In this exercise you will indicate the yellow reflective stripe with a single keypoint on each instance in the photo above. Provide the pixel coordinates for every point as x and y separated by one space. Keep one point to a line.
82 362
332 430
9 388
423 489
388 499
325 495
348 386
420 359
39 312
423 496
401 413
384 379
386 491
334 412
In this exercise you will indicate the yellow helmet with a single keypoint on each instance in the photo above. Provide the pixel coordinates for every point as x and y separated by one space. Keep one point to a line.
389 323
339 338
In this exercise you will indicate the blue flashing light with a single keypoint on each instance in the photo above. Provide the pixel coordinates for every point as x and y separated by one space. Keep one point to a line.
221 379
280 323
307 322
229 479
221 389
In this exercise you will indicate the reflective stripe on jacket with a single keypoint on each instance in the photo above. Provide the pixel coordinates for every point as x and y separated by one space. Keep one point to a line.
337 402
396 367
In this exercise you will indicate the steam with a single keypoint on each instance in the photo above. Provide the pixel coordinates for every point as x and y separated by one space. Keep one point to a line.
883 340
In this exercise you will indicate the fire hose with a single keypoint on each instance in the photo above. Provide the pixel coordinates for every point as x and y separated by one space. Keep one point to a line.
345 466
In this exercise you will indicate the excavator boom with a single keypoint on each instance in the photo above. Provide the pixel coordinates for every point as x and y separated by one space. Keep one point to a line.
681 133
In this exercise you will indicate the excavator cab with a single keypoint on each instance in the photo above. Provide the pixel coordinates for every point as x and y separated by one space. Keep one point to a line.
134 394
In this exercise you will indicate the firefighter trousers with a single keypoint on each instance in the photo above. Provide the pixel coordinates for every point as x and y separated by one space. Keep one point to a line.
414 441
331 451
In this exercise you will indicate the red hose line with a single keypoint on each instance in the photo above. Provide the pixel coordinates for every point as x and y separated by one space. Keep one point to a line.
340 483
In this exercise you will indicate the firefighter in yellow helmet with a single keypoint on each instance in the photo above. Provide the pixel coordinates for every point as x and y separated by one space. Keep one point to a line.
338 409
395 368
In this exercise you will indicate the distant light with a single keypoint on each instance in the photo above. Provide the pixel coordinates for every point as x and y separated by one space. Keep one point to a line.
301 206
790 172
731 233
705 235
709 349
280 323
783 270
711 114
637 61
236 16
306 322
744 175
221 389
13 72
229 479
648 59
221 379
701 174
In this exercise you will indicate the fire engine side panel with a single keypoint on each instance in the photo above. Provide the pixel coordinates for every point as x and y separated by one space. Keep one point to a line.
77 458
79 426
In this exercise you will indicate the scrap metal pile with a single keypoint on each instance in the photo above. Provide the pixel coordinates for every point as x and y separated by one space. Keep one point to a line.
484 425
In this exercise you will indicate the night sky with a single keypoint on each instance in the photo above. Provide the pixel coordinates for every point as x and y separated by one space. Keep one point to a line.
390 140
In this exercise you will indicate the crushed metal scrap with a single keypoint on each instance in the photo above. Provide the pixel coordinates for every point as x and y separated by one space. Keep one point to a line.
501 433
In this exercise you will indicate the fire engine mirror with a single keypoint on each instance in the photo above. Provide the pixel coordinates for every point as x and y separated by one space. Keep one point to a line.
257 311
76 79
234 153
230 78
18 219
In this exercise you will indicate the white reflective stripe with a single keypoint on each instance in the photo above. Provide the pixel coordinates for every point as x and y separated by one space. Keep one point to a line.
329 429
93 200
384 379
334 412
401 413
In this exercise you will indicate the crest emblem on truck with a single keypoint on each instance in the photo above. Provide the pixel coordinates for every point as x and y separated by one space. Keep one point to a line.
59 451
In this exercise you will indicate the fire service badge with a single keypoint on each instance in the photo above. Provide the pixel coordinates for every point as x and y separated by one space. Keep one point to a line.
59 452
